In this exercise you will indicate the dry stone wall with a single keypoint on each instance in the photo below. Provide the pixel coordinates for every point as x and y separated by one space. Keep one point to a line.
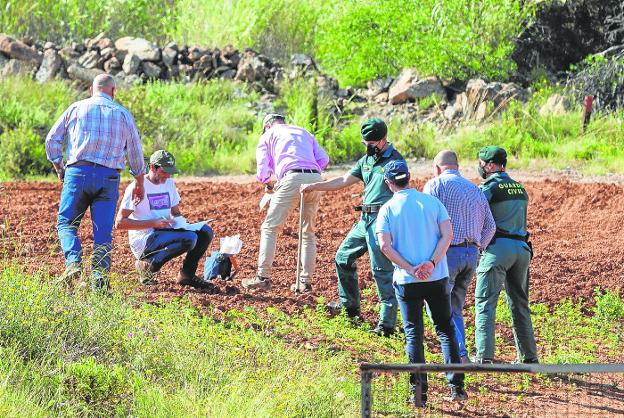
135 60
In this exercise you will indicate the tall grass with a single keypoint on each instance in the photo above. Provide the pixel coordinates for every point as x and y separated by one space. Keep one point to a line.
61 21
353 40
73 354
213 127
87 355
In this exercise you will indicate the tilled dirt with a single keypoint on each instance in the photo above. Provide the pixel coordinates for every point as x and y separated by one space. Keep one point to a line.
576 229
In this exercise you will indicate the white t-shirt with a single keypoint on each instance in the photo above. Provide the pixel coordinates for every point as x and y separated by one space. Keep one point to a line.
158 201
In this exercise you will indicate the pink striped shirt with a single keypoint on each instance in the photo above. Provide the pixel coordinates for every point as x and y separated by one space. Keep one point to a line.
98 130
286 147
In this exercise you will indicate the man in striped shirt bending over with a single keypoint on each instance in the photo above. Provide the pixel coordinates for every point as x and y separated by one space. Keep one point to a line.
98 134
473 228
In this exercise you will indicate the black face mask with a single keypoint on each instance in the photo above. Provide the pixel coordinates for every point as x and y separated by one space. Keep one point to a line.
372 150
482 172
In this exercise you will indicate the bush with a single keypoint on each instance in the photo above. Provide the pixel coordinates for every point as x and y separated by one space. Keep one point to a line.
23 153
449 38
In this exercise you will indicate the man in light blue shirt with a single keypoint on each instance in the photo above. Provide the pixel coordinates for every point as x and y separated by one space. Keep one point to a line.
414 232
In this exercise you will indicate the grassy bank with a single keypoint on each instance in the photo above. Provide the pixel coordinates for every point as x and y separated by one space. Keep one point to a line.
213 127
66 354
354 41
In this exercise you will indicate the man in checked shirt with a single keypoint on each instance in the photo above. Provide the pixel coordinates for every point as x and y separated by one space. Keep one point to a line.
473 228
98 134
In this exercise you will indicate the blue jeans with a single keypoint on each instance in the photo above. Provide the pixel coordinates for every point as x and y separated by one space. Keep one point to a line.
165 244
411 298
96 188
462 263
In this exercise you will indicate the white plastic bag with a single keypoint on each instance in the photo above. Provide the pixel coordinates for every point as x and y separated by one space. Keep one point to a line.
231 245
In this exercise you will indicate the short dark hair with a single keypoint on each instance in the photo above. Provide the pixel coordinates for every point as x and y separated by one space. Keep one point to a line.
401 182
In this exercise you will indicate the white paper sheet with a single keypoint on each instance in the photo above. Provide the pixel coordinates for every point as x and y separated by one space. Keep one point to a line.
181 223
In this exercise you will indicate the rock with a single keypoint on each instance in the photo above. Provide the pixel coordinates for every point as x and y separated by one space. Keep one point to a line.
381 97
408 87
106 53
69 53
104 43
89 60
344 92
169 56
196 53
19 50
174 46
49 67
3 61
451 113
112 66
378 86
145 50
16 67
302 60
28 40
228 74
151 70
252 67
230 56
131 64
49 45
556 105
87 75
132 79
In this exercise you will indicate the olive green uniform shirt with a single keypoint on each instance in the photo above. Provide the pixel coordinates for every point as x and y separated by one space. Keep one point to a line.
371 172
508 202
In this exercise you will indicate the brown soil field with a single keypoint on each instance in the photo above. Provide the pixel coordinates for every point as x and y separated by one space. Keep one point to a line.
576 229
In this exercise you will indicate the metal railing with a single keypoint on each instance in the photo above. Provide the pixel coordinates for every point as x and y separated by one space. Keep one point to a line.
573 376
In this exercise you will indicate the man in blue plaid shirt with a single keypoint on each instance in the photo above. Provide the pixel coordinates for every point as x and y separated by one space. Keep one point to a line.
473 228
98 134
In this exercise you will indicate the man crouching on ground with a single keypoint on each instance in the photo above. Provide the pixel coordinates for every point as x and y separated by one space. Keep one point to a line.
414 232
149 223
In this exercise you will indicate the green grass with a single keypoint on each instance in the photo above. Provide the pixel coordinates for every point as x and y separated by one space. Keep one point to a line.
353 40
213 127
74 354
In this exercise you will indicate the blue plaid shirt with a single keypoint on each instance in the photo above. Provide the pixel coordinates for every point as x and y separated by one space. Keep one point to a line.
467 206
98 130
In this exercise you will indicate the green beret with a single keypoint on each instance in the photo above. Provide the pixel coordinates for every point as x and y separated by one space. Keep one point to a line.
374 129
493 154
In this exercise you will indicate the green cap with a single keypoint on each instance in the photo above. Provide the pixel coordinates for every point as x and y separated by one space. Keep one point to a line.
374 129
164 160
493 154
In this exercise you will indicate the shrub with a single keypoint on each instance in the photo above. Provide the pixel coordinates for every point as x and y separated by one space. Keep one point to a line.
23 153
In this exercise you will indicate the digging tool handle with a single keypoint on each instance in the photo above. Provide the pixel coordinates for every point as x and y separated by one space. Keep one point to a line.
298 279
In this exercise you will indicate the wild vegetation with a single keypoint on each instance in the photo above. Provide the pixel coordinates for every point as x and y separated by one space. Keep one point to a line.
73 354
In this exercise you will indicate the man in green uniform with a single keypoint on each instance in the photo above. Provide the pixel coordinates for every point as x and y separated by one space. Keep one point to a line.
361 238
505 262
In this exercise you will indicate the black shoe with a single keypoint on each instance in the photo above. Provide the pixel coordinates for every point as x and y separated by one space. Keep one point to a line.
458 394
381 330
194 281
531 361
421 403
335 308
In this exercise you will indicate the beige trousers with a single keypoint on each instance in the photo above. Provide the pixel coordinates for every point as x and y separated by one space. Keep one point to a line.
285 198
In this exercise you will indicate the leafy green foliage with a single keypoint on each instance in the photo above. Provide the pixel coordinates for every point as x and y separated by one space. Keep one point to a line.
60 21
